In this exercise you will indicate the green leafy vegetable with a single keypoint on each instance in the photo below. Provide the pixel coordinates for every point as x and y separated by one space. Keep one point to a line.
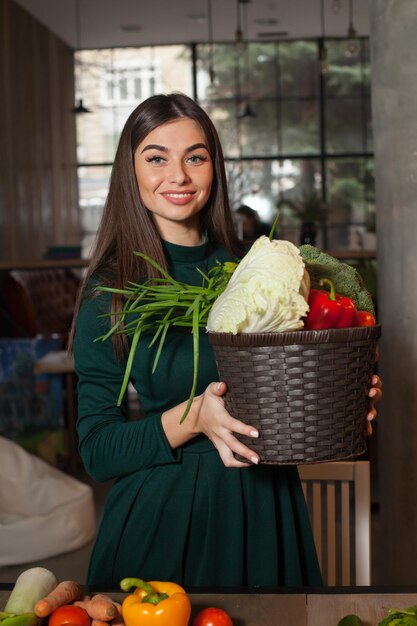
159 304
266 292
346 279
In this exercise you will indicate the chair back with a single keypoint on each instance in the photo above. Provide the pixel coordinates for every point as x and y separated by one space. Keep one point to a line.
338 501
41 301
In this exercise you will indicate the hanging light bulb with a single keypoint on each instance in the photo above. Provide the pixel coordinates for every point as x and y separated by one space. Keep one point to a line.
323 61
324 64
239 36
211 89
352 44
79 108
336 6
246 112
242 51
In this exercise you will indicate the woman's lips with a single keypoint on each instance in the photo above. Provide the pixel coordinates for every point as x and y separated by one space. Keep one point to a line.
178 197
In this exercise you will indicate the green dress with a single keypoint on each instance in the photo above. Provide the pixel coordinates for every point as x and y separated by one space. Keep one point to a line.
180 515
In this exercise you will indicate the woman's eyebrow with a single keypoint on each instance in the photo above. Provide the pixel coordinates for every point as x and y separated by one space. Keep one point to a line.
196 146
155 146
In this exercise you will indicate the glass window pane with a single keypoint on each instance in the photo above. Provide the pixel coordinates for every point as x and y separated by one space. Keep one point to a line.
224 116
252 183
93 185
346 74
259 71
300 127
299 71
123 89
113 82
222 59
258 134
299 191
351 199
344 126
261 184
137 88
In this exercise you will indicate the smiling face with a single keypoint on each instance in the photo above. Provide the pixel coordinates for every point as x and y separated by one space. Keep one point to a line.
174 172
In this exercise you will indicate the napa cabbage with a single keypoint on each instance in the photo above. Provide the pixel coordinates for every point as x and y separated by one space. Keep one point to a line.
267 292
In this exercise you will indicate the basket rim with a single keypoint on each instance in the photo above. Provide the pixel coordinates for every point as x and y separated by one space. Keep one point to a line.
293 337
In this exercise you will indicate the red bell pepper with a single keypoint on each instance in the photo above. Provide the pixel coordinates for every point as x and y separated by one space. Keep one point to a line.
364 318
329 309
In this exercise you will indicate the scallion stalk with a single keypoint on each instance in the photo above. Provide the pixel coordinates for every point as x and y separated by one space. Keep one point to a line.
161 304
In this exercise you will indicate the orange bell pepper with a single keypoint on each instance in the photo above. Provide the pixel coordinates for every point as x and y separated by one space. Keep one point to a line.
155 603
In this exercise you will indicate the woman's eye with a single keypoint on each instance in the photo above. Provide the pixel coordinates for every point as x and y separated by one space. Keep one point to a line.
197 158
155 159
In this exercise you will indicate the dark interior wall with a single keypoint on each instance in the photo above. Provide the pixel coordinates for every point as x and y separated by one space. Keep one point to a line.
38 177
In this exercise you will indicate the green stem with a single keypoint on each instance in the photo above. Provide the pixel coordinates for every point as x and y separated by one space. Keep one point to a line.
129 364
152 596
273 227
196 349
326 281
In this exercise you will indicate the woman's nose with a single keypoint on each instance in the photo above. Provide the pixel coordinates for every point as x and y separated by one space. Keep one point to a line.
179 174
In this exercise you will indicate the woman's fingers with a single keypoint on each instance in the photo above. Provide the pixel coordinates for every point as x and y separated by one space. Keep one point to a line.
375 394
221 429
376 381
228 450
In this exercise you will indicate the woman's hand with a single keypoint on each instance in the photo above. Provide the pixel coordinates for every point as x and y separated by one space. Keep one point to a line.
212 419
375 394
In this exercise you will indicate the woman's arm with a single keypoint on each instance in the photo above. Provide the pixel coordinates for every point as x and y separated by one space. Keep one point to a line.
109 445
209 417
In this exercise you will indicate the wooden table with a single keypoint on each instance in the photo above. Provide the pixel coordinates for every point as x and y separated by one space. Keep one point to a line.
279 608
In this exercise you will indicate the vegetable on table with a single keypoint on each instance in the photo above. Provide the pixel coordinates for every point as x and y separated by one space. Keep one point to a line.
65 592
400 617
350 620
329 309
69 614
212 616
155 603
24 619
100 607
31 585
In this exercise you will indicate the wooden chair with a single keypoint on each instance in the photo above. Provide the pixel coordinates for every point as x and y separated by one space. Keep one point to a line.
41 301
338 500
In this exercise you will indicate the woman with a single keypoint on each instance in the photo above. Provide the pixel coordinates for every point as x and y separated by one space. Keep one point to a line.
182 507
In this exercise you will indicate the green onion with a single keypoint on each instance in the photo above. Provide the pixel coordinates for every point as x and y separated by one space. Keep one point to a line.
162 303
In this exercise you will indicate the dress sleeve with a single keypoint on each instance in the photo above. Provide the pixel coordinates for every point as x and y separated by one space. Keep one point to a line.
110 446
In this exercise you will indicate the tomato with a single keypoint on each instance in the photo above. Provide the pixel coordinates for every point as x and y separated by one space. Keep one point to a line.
364 318
212 617
69 614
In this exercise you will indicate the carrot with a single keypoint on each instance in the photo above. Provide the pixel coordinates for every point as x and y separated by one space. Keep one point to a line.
64 593
99 607
99 622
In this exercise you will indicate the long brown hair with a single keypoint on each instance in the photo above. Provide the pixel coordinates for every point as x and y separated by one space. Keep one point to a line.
127 225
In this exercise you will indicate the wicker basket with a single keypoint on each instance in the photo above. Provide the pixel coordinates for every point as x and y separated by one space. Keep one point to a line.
305 391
